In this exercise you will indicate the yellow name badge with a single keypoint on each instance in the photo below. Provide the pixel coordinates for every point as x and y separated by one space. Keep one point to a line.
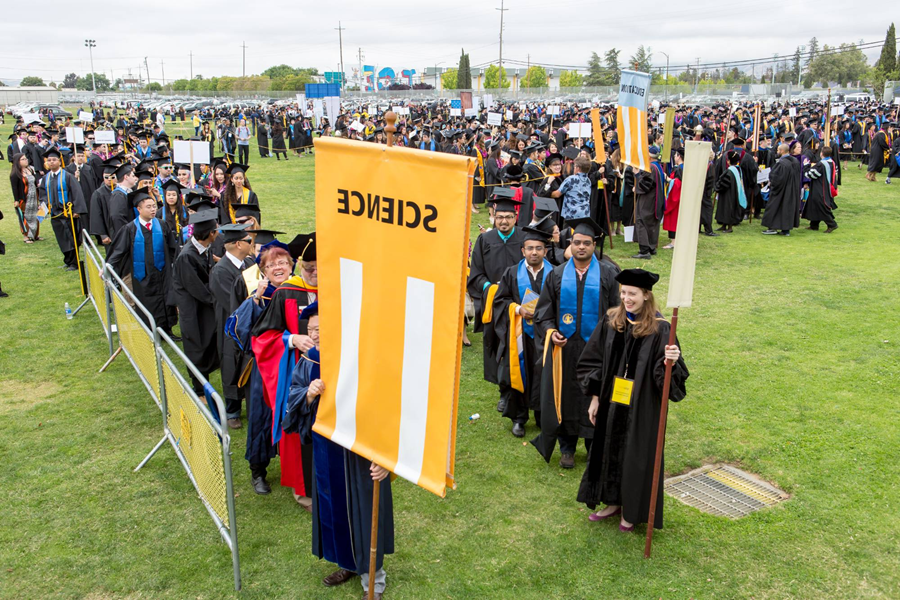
622 391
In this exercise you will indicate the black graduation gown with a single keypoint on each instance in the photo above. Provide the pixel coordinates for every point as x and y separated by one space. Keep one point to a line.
262 139
48 192
783 209
121 211
508 293
155 288
534 176
195 307
222 279
88 181
99 213
876 153
728 209
526 210
341 488
491 256
574 402
820 203
627 192
620 463
277 140
35 157
225 214
650 199
96 170
706 202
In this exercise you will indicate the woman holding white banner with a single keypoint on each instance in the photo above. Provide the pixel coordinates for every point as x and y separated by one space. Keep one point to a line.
623 367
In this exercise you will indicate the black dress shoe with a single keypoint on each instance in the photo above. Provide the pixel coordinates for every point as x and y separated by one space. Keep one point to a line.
71 268
501 405
338 577
3 294
642 256
261 486
711 234
518 430
567 460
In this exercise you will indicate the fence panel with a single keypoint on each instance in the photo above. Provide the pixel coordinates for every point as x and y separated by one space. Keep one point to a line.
97 292
201 443
135 337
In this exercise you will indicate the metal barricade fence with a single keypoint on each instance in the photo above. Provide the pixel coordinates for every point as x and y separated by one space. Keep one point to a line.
201 443
137 337
94 264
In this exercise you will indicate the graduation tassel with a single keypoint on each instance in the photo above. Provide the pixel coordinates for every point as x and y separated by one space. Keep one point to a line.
81 274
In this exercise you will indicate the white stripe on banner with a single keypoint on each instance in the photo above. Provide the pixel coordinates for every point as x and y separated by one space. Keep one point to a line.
414 380
348 375
626 125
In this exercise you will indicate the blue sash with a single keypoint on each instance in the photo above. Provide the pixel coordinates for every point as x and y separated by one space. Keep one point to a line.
62 196
525 284
739 182
285 370
568 301
137 255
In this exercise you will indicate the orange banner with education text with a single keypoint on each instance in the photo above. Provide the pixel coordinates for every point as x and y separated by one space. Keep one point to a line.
392 227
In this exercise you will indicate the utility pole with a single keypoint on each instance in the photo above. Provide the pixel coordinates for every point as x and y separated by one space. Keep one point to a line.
361 77
191 55
774 66
697 76
500 73
91 44
667 75
244 60
162 66
340 31
146 66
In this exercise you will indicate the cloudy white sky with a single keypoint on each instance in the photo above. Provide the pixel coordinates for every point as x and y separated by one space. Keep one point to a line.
408 34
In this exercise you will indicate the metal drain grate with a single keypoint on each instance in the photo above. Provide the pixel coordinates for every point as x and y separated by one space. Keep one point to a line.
724 491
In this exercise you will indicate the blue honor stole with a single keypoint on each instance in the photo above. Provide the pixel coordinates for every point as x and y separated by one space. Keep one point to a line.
739 183
137 254
524 282
568 301
62 196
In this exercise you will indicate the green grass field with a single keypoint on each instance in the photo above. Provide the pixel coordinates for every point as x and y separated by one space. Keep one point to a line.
792 345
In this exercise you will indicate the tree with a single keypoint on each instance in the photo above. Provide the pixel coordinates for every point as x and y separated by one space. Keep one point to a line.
640 60
535 77
464 74
153 86
279 71
888 60
494 79
69 80
795 68
570 79
180 85
86 83
31 81
813 53
422 86
596 75
613 73
450 79
843 64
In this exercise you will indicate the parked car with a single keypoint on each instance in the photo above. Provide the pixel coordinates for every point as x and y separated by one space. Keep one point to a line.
58 112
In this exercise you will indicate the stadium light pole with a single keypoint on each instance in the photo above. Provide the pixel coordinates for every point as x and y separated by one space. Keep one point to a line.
667 75
91 44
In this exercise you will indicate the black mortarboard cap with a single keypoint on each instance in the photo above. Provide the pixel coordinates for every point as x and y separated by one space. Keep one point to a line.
541 231
505 203
585 226
172 183
264 236
303 247
556 156
513 173
138 196
204 216
123 170
236 168
247 210
544 207
637 278
571 152
234 232
51 151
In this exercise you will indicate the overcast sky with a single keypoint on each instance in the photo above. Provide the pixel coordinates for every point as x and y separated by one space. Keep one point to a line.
409 34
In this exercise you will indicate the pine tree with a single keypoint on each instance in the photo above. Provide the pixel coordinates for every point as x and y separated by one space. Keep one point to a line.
595 74
795 69
464 73
613 74
640 60
813 48
888 60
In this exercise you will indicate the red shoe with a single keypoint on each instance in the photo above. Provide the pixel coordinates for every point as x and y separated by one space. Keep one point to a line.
626 529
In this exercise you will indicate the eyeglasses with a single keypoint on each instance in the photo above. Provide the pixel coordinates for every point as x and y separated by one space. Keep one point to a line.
503 217
584 243
280 263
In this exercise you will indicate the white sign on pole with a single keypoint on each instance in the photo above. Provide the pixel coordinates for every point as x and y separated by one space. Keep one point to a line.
471 112
488 100
318 108
455 112
357 126
400 110
476 101
792 112
494 118
553 110
104 136
31 118
86 116
332 108
763 175
580 130
509 115
661 118
75 135
837 111
183 152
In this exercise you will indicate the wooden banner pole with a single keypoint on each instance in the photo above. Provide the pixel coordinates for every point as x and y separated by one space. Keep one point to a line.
660 438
